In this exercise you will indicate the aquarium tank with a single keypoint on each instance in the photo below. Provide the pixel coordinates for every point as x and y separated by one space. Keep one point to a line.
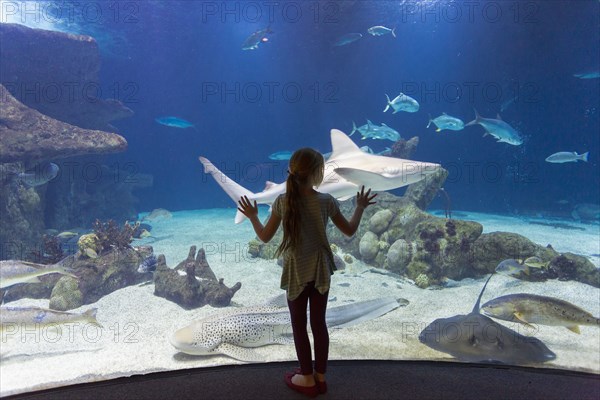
129 130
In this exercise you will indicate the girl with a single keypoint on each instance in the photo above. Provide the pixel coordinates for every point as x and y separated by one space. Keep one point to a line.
307 258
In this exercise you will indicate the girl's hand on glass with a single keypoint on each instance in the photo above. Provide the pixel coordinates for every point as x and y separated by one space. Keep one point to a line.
363 200
246 208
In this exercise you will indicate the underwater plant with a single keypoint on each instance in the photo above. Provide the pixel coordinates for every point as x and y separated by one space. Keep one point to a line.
51 251
109 234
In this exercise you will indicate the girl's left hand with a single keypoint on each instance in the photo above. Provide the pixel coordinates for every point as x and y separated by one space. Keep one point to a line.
246 208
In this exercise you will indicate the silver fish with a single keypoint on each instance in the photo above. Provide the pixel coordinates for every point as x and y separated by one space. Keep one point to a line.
40 175
567 156
28 317
533 309
258 37
372 131
588 75
347 39
498 129
402 102
446 121
381 30
13 272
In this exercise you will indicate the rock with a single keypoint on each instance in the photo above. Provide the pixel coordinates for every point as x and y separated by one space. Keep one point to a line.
399 255
369 246
56 74
569 266
423 192
30 135
197 287
492 248
112 270
422 281
380 221
405 148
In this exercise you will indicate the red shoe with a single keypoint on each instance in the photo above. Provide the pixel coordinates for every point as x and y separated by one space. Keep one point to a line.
310 391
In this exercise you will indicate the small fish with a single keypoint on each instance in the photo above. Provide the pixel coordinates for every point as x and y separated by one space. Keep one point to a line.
148 265
34 317
381 30
567 156
402 102
281 155
40 175
158 213
13 272
347 39
175 122
90 253
512 267
144 234
535 262
446 121
66 235
530 309
258 37
588 75
372 131
498 129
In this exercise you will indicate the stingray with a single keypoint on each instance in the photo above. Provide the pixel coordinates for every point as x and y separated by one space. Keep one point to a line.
477 338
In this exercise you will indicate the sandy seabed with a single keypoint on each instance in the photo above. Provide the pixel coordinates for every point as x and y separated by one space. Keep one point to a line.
136 323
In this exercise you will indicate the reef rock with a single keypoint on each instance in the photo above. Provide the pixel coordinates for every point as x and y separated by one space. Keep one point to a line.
405 148
196 286
380 221
113 269
56 73
30 135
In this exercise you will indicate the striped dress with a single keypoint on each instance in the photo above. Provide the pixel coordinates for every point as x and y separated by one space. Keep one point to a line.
313 259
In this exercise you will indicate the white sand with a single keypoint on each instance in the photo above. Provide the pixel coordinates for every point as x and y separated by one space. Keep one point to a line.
137 323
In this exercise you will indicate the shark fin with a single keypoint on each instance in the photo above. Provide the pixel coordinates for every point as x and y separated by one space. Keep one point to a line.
429 123
355 313
269 185
574 328
346 198
476 120
342 145
238 352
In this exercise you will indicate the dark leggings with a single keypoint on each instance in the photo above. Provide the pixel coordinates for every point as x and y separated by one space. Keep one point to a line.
318 308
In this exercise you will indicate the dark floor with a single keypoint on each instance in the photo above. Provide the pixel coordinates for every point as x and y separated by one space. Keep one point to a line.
346 380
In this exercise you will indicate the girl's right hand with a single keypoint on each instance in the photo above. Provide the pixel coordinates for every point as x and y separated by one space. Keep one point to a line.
363 200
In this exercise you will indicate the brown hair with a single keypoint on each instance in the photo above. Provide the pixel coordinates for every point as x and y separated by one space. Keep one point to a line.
306 166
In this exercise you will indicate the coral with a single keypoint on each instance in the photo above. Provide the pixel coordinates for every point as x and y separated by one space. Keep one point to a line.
110 236
88 245
422 281
51 252
416 268
198 287
66 294
450 228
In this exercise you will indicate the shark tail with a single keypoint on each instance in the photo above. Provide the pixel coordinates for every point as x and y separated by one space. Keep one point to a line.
90 316
354 313
387 107
476 120
585 156
233 189
394 32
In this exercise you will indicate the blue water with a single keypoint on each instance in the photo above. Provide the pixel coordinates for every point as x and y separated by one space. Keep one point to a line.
184 58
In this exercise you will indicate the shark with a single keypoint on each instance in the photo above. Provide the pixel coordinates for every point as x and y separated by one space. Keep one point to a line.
477 338
236 333
346 170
